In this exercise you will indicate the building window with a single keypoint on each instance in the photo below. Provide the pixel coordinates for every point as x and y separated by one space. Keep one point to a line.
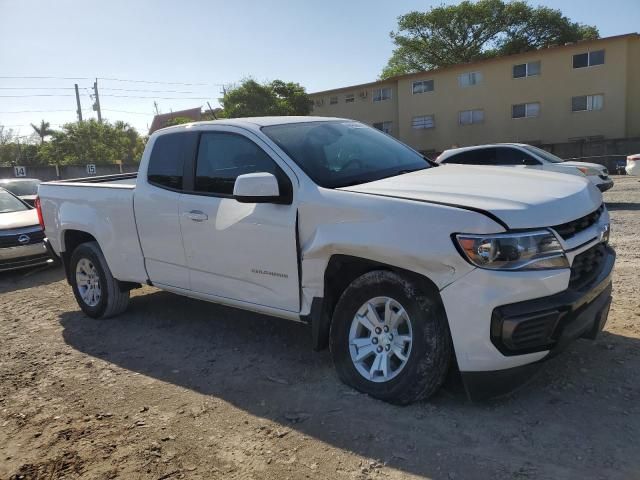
469 79
589 59
333 100
522 110
380 94
467 117
350 98
585 103
530 69
423 122
319 102
385 127
422 86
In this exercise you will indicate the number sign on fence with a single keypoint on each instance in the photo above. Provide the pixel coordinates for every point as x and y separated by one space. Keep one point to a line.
20 171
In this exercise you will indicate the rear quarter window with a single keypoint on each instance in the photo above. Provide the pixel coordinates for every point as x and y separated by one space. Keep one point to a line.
166 164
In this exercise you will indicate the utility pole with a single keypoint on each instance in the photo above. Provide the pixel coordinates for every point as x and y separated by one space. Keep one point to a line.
78 104
212 112
155 106
96 106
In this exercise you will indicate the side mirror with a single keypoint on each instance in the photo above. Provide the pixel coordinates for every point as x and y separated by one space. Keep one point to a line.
261 187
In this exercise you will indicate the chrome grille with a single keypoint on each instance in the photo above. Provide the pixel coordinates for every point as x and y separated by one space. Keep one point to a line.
10 238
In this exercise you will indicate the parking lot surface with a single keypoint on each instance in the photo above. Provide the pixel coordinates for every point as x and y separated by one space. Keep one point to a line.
177 388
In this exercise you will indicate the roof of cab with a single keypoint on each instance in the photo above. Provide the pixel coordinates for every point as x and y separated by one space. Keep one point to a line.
255 122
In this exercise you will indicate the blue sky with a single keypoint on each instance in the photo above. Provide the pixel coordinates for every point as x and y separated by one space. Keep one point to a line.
204 43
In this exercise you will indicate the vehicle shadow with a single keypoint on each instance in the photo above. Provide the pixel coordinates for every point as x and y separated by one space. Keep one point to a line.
623 206
13 280
572 412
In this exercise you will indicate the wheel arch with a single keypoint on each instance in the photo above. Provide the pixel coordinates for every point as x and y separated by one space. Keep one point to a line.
71 239
340 272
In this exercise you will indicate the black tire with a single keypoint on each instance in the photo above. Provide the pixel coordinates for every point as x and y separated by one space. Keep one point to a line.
430 356
112 300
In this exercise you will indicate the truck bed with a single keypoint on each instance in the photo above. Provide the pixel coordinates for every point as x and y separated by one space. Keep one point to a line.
102 207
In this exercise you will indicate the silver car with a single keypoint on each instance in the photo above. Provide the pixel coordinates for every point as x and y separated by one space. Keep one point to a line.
22 241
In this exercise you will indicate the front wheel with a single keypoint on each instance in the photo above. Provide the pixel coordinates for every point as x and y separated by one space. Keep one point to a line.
389 339
98 294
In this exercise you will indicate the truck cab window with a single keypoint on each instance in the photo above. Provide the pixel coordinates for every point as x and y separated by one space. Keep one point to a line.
166 164
222 157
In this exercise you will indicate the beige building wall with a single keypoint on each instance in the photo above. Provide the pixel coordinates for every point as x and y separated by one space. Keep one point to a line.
363 108
633 88
618 79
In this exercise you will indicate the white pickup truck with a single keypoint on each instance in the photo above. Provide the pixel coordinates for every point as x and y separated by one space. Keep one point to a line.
403 268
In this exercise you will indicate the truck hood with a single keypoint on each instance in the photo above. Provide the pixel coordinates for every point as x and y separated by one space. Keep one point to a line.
24 218
519 198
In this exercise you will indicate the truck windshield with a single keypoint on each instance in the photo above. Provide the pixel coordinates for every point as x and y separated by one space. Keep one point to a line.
342 153
9 203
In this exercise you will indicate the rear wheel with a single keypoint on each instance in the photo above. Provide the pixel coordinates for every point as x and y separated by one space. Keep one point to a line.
389 339
98 294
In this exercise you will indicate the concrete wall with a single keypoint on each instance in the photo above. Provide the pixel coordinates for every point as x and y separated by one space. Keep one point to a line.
605 152
618 79
65 172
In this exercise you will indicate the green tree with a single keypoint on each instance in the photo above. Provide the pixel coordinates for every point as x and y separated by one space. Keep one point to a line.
251 99
466 32
43 130
177 121
16 150
93 142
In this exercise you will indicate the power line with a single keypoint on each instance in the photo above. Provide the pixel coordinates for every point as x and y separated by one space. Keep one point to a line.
38 95
104 95
143 90
154 97
111 79
159 82
43 77
126 111
36 88
37 111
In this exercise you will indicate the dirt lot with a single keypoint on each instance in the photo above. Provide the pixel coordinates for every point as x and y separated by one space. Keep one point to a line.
177 388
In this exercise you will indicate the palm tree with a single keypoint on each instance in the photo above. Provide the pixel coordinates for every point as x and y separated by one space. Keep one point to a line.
43 130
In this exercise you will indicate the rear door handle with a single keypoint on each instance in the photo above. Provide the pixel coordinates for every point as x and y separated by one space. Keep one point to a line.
197 216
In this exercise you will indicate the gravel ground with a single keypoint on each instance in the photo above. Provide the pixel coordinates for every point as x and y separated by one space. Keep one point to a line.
177 388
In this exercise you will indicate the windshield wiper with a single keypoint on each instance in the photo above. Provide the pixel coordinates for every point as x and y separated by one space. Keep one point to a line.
431 162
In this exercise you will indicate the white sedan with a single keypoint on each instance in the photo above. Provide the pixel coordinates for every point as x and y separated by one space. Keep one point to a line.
521 155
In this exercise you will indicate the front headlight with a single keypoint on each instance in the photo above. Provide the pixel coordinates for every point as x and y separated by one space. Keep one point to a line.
589 171
513 251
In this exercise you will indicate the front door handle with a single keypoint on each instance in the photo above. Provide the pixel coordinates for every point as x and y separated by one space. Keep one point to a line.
197 216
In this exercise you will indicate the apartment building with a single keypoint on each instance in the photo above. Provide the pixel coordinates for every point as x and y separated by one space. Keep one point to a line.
584 91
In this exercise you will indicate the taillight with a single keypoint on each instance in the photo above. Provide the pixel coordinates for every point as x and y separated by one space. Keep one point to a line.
39 210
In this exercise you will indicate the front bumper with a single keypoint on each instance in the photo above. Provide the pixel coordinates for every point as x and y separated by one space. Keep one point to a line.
549 323
604 186
545 326
13 258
